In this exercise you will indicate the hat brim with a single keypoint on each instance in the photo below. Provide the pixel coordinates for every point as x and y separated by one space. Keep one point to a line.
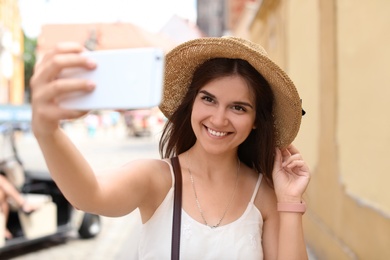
182 61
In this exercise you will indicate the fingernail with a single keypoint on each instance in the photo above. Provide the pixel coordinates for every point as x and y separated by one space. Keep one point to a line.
91 85
91 64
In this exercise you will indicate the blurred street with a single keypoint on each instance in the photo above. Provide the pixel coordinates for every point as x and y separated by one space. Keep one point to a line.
108 148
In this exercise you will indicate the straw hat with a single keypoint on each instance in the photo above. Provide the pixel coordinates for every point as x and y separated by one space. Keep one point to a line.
182 61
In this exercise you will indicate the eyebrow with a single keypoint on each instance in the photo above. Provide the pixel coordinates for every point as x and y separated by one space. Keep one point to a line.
241 103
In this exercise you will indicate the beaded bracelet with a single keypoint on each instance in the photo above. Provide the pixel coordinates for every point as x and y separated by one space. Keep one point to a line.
292 207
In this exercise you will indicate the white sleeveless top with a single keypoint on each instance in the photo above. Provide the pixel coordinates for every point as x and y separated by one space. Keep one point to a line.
240 239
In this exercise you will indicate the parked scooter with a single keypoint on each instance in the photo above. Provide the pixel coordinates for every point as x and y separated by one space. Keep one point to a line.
56 216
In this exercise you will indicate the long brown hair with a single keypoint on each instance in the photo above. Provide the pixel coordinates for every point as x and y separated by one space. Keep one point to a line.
258 150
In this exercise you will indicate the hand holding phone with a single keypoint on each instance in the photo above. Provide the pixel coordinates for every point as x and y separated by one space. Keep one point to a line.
125 79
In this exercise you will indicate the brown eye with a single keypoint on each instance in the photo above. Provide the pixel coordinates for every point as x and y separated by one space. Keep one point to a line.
239 108
207 99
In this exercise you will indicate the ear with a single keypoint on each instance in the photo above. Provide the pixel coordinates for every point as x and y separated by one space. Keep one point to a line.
254 127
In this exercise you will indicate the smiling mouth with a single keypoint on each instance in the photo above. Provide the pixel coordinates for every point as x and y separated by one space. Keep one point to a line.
216 133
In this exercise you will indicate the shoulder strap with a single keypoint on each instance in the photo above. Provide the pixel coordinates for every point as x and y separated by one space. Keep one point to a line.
257 187
175 250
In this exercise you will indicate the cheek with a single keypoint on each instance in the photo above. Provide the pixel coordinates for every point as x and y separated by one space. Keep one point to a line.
247 125
199 111
196 115
248 128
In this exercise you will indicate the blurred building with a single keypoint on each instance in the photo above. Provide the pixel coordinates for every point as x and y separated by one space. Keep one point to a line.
211 17
217 18
337 53
11 54
101 36
180 30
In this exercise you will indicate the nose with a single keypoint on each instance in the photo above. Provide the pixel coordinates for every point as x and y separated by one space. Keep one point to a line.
219 118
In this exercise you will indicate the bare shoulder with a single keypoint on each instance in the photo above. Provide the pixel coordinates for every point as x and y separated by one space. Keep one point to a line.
157 170
148 164
141 183
158 183
148 174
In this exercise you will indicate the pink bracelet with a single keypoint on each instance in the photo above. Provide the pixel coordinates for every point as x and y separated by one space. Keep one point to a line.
292 207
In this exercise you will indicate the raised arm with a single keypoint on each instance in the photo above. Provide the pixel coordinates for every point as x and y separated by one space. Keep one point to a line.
112 194
283 231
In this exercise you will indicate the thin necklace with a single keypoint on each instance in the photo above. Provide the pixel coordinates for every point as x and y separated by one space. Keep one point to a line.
197 200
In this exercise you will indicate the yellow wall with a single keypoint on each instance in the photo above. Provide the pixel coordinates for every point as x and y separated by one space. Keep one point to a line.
364 92
12 90
337 53
302 64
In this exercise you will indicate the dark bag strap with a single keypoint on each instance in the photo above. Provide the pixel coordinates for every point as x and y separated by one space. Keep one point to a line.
175 250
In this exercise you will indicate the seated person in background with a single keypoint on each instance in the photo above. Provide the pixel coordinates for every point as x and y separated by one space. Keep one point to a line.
9 192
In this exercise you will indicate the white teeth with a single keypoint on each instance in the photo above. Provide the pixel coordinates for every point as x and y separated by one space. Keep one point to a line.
215 133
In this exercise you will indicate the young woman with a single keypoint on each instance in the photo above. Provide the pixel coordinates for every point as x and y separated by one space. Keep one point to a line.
233 115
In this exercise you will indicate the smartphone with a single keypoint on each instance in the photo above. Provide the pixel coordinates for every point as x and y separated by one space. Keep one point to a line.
125 79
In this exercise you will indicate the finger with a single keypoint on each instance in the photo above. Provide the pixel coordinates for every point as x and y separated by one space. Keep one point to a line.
291 159
299 164
71 114
295 163
57 89
64 49
278 158
60 48
50 70
285 154
292 149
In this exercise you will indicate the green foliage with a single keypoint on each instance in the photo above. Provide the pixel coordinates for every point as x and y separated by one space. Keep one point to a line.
29 62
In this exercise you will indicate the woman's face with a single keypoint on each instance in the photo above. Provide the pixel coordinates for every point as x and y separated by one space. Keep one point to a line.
223 114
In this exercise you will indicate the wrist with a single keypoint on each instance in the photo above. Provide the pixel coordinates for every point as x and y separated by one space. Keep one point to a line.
293 207
47 135
289 199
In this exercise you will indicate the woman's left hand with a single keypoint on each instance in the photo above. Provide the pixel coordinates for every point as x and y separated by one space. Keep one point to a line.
290 175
